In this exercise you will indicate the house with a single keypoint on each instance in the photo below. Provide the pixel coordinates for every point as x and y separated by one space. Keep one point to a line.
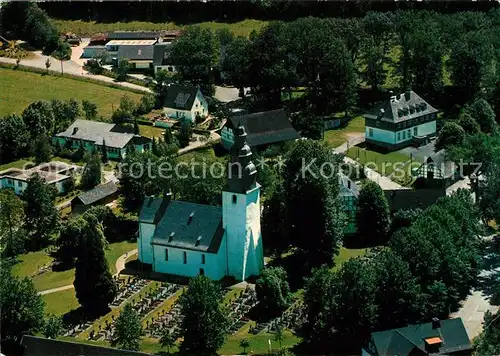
187 239
403 120
55 173
264 128
139 56
93 135
436 171
161 57
38 346
439 337
405 199
100 195
349 193
185 102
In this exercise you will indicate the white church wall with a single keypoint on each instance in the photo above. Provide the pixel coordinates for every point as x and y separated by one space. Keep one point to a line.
213 268
145 252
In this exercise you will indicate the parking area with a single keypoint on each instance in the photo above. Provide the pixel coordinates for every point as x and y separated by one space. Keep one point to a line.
419 153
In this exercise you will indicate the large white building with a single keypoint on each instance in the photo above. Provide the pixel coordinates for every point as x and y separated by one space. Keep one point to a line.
187 239
401 121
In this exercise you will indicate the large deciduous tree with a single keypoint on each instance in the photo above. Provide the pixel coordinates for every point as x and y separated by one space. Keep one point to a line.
449 135
41 149
41 216
92 172
205 323
373 215
128 330
11 219
14 138
273 291
39 119
483 113
94 285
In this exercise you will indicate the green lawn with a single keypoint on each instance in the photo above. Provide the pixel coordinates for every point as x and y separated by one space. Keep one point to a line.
16 164
61 302
346 254
384 163
337 137
32 261
20 88
151 131
85 28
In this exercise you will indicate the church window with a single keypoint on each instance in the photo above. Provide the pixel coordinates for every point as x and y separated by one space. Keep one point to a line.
166 254
185 257
202 259
234 199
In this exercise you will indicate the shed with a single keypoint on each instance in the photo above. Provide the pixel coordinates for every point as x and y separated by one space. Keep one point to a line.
100 195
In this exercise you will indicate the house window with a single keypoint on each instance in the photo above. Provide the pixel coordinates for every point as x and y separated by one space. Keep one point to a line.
404 135
409 133
234 199
377 123
10 181
202 259
166 254
399 136
415 131
185 257
370 132
19 184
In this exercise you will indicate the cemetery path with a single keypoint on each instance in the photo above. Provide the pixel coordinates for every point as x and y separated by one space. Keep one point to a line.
120 266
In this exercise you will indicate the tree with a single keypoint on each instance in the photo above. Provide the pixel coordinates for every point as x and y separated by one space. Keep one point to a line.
90 109
147 104
125 112
488 342
274 222
128 329
123 68
92 172
69 240
273 291
62 53
41 216
194 54
315 214
237 62
53 327
14 138
22 308
160 84
42 150
94 285
104 155
404 218
309 125
48 63
205 323
11 218
373 216
470 126
245 344
485 116
39 118
136 127
167 339
185 132
278 336
451 134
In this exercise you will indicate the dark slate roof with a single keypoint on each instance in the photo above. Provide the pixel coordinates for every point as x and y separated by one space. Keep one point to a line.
37 346
159 53
134 35
201 232
399 108
136 52
180 96
439 160
404 199
100 192
265 127
402 341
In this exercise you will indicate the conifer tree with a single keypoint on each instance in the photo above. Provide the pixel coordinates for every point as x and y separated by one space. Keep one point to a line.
373 214
128 330
104 152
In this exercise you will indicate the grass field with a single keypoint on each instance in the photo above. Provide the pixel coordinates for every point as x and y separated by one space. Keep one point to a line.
337 137
61 302
20 88
346 254
84 28
151 131
31 262
16 164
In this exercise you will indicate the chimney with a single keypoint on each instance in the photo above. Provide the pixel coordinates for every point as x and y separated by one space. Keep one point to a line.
349 183
407 95
75 130
191 216
198 241
168 196
172 234
436 324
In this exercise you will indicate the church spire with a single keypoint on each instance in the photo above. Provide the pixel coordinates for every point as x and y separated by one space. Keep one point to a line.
242 173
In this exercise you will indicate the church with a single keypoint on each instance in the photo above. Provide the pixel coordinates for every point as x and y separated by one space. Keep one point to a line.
188 239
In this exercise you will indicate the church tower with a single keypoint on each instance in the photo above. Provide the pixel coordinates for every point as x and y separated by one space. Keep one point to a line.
241 212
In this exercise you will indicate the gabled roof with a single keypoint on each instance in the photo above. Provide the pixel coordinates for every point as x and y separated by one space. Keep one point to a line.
439 161
180 96
136 52
37 346
134 35
403 341
159 50
265 127
96 132
190 226
400 108
404 199
100 192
